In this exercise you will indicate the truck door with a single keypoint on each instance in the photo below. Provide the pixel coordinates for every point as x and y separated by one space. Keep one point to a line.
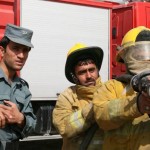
124 18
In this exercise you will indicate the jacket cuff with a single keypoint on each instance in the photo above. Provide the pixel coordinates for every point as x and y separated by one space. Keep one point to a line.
76 120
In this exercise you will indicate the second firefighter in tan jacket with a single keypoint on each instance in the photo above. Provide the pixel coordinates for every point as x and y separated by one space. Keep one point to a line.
73 113
122 105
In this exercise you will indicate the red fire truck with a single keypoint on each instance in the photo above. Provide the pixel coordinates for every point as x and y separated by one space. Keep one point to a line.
57 26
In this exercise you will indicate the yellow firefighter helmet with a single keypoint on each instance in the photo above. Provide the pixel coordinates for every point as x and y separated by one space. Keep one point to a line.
133 38
79 51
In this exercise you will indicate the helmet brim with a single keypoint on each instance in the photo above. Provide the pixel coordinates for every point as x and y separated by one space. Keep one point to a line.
93 51
119 59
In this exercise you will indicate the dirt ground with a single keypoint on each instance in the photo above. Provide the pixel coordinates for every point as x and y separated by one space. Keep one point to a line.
54 144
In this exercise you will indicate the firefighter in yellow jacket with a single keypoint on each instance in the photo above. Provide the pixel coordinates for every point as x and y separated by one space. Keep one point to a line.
121 106
73 113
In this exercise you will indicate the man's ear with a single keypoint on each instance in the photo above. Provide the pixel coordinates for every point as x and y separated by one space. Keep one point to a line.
75 79
2 50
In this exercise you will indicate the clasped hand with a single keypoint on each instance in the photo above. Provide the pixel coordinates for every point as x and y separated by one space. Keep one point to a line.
10 114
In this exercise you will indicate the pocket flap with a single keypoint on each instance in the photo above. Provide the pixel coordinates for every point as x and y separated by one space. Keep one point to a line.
20 100
3 97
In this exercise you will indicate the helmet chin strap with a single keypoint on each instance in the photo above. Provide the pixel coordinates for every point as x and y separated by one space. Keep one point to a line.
75 79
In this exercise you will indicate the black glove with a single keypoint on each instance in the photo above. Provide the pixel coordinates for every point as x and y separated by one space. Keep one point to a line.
141 82
143 103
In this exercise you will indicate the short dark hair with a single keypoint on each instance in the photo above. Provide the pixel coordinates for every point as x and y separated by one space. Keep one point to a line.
4 42
85 60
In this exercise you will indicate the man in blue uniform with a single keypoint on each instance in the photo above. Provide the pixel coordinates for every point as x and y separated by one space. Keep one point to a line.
16 114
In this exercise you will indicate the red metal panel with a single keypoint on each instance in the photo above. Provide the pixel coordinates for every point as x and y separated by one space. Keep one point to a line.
122 21
9 13
124 18
141 13
102 4
110 52
127 21
147 16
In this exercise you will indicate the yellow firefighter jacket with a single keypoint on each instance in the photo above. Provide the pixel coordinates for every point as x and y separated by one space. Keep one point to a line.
115 110
68 119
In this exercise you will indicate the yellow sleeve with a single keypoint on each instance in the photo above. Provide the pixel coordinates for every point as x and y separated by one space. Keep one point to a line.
113 105
67 117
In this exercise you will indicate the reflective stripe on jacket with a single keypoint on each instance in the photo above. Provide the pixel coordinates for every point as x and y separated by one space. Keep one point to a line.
68 119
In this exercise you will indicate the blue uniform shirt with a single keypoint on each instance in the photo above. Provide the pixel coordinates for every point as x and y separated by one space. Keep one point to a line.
18 93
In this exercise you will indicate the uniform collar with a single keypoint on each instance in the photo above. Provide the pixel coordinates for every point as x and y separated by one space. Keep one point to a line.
15 80
2 75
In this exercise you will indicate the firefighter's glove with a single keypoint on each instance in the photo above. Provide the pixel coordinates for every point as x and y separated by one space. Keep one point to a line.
143 103
141 82
87 112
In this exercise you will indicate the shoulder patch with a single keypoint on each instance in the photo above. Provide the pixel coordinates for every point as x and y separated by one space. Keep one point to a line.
25 83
